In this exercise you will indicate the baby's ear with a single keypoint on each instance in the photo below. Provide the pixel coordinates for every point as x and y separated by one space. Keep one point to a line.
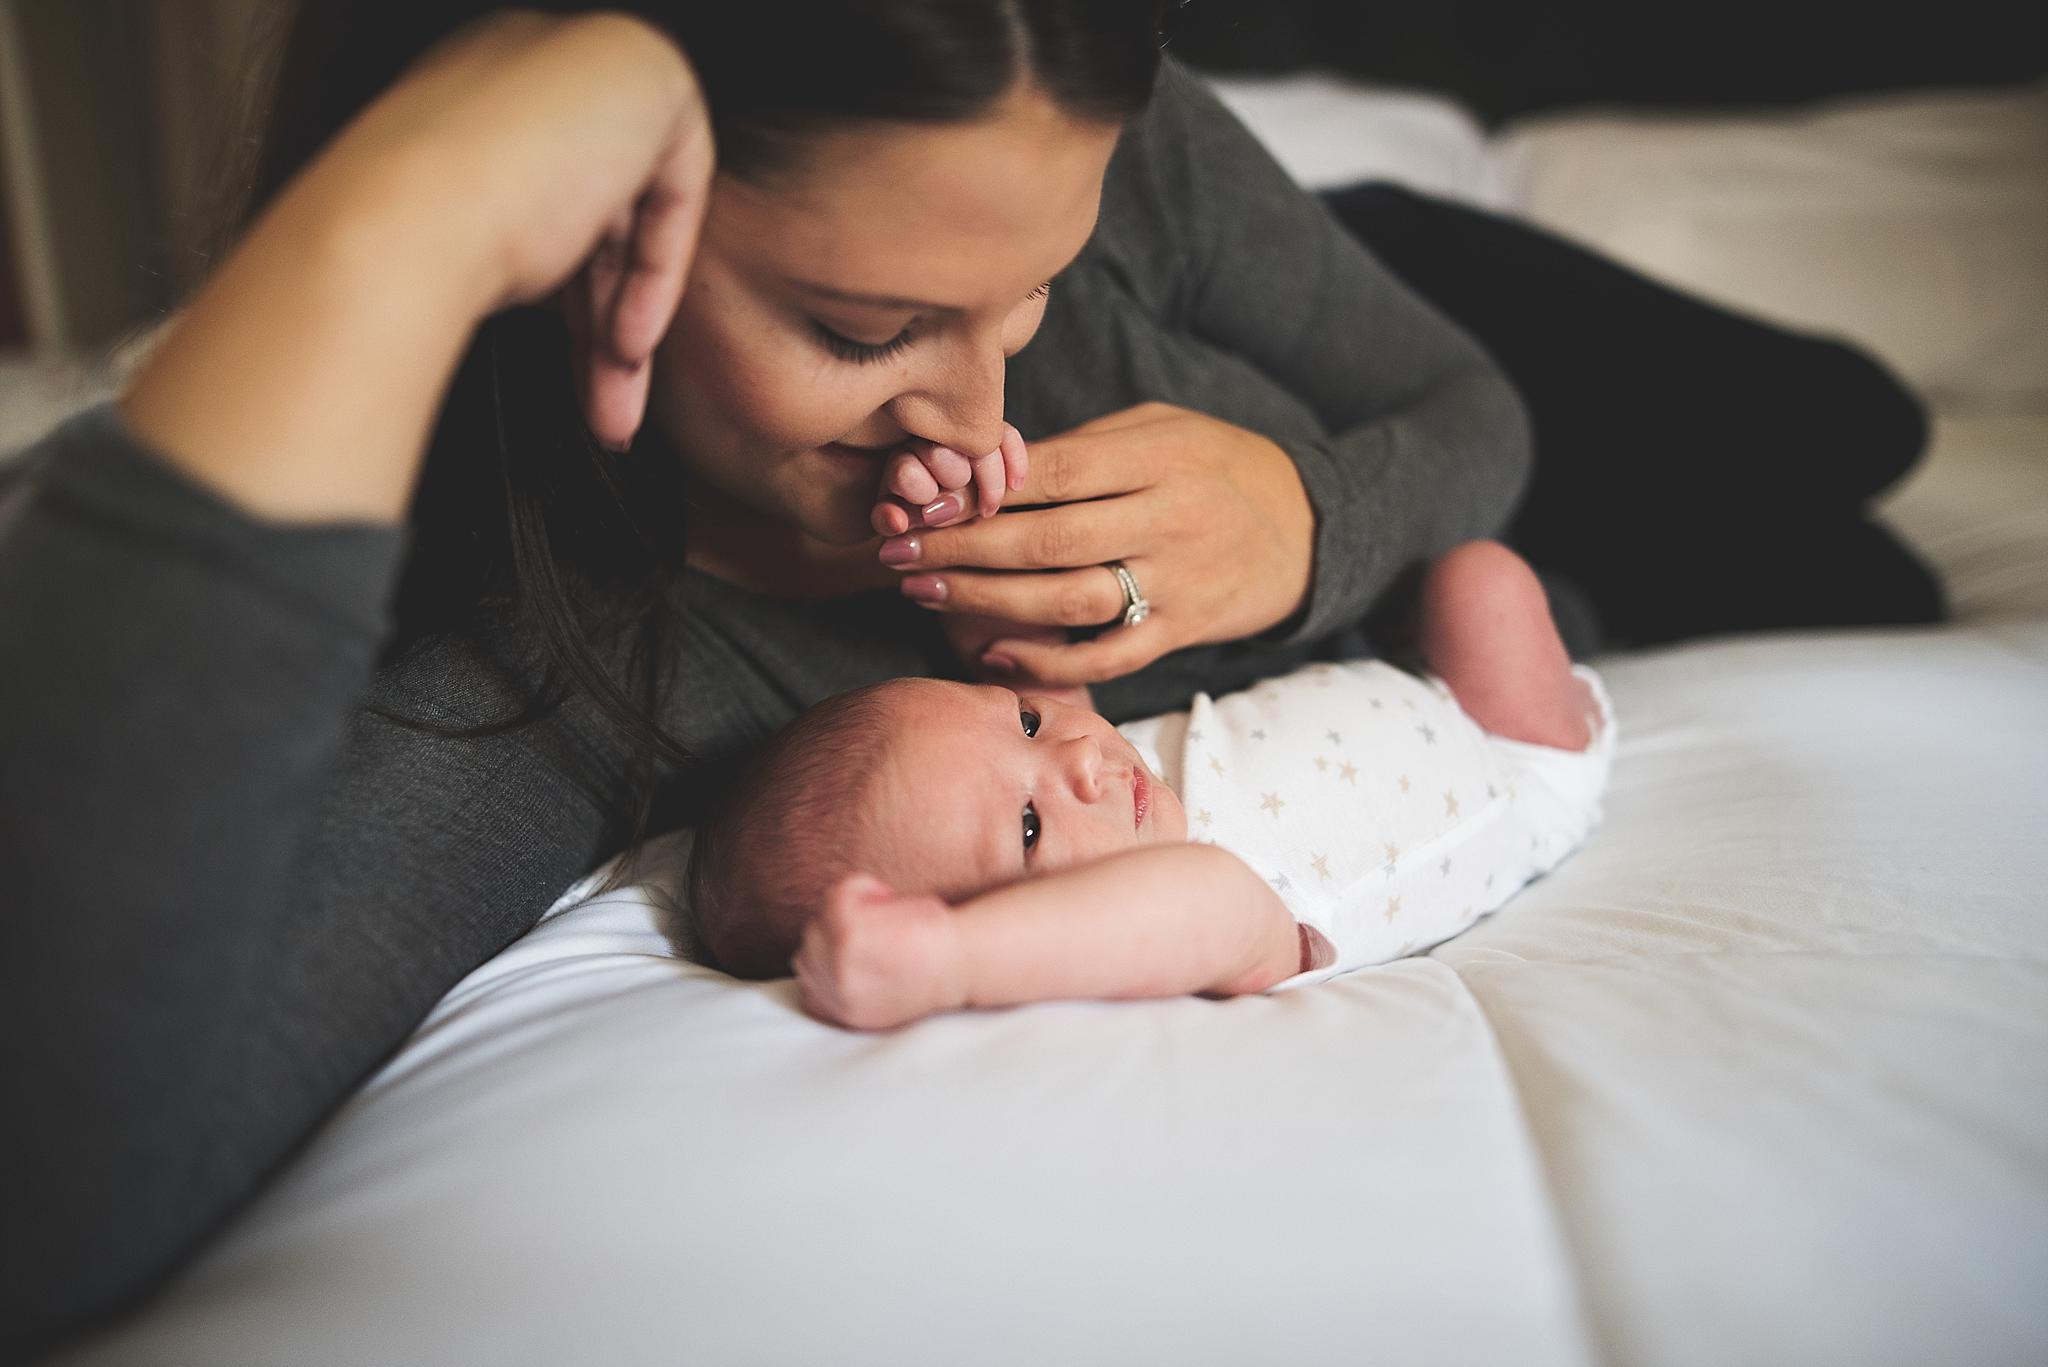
1316 949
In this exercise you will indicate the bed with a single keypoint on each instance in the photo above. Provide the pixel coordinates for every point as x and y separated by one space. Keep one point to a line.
1760 1075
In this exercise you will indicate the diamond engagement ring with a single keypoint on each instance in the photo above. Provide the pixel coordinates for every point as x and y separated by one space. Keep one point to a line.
1136 609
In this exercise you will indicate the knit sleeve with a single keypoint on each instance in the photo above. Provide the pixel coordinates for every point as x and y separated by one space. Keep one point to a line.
1422 442
232 886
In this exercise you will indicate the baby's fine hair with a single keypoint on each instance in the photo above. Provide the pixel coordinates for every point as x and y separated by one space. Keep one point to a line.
760 867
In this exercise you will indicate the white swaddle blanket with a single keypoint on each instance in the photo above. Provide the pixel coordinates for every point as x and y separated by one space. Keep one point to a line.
1379 811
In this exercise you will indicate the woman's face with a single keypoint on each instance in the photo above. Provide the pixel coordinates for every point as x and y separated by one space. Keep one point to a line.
870 296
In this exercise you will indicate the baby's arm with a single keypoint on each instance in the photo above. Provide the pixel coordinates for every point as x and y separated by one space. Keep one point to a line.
1154 922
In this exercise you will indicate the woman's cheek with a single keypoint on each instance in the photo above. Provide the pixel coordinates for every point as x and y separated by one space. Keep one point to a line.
1021 326
783 387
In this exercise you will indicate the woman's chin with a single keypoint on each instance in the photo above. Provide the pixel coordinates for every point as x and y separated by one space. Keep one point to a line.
841 528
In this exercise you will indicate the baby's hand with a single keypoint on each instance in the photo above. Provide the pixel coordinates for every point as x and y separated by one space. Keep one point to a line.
934 486
874 958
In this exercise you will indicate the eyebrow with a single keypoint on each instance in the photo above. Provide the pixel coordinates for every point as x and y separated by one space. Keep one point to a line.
873 301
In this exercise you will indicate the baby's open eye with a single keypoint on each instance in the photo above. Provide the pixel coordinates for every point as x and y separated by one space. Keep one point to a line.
1030 720
1030 823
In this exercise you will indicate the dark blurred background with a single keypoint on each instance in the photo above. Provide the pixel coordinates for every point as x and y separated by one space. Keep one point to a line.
1508 57
123 123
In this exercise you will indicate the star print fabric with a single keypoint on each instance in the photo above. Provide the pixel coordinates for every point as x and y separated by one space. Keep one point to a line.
1376 808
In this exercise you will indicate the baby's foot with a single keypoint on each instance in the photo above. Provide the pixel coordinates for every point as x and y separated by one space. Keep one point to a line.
1486 631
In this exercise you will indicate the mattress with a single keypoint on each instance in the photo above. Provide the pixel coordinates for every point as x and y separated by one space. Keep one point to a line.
1759 1075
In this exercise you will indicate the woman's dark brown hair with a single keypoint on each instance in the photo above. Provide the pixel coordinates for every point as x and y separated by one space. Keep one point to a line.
518 510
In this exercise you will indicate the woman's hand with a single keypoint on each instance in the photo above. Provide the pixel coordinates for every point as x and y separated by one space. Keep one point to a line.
522 151
1210 519
874 958
588 139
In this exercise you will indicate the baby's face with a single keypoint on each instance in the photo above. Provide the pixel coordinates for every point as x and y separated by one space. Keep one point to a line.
981 787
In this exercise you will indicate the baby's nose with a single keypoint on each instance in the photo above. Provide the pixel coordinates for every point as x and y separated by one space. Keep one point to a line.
1084 767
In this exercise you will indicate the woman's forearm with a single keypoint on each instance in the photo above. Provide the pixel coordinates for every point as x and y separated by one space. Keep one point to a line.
1156 922
302 382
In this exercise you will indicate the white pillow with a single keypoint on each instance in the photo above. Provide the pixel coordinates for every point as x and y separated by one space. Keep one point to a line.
1329 132
1915 224
38 393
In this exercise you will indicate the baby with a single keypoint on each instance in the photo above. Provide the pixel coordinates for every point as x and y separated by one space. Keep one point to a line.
921 846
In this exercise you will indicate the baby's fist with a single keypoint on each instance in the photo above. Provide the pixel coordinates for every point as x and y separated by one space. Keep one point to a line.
873 958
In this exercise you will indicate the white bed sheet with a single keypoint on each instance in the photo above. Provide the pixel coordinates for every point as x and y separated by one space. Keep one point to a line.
1760 1075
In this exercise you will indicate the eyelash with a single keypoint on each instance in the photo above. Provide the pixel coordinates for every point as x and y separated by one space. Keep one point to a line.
860 353
869 353
1033 827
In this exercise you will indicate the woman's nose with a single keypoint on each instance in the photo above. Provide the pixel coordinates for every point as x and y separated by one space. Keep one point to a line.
1083 760
959 404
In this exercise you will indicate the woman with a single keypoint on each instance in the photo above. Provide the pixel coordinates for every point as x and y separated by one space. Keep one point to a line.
258 823
295 880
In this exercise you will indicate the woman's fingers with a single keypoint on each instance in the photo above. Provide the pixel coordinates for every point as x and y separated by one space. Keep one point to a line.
591 299
1063 537
1065 598
655 262
1115 653
668 219
606 273
615 397
1102 458
634 281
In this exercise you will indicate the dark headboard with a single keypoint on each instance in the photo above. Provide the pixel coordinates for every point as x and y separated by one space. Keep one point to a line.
1509 57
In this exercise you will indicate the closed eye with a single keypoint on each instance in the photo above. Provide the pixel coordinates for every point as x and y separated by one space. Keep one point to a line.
869 353
860 353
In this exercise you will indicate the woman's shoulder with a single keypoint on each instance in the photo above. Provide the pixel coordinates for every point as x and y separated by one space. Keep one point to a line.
1180 160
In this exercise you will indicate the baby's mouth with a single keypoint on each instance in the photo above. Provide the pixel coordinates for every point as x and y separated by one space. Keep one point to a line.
1141 797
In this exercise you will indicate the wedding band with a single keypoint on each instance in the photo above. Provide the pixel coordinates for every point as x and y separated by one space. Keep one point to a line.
1136 609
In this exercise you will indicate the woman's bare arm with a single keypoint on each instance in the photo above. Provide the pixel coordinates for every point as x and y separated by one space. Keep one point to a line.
302 382
1157 922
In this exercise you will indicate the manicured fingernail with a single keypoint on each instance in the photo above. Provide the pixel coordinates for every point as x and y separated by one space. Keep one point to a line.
901 550
996 660
940 509
925 588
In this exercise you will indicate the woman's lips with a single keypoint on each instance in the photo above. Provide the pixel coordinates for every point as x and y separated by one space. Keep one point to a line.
1141 797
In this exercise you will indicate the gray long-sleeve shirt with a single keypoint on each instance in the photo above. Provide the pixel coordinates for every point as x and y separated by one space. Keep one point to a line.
231 887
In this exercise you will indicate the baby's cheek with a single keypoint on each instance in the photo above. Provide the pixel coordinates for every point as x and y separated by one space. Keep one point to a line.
1170 818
